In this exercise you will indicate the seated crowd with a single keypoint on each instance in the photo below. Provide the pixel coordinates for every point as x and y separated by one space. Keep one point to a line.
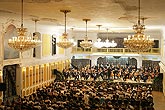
111 72
86 95
93 88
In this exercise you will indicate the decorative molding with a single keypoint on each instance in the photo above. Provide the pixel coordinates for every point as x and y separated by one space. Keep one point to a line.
35 61
8 22
11 62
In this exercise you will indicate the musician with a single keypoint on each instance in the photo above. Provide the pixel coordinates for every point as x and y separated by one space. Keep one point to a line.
115 72
109 72
95 75
64 72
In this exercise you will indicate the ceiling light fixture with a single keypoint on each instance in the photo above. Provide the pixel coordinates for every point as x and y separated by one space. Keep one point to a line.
35 24
86 43
107 43
113 43
65 42
22 42
139 42
99 43
73 38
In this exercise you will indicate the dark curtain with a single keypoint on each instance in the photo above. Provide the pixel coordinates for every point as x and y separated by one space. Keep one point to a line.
9 78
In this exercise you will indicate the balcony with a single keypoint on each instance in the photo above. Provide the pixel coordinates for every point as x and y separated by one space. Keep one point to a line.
79 50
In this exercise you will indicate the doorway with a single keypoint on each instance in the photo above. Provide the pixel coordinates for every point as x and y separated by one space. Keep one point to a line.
9 78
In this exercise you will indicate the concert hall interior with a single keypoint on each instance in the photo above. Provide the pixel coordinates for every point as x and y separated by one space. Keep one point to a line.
82 54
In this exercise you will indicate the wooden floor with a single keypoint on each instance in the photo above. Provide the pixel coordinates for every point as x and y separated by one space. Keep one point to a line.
159 100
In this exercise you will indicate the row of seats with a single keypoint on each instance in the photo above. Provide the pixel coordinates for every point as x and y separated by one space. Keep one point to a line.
87 95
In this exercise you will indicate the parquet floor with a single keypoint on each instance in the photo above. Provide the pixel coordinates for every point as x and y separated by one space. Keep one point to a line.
159 100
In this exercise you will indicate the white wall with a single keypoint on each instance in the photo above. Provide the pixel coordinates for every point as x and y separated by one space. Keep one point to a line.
163 46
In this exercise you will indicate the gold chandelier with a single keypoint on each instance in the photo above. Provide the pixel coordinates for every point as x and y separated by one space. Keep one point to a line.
22 42
65 43
139 42
86 43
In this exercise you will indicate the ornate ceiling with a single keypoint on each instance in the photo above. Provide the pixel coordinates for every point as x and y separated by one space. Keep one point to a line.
115 14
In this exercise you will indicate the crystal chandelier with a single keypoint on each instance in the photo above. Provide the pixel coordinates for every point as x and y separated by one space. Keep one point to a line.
35 36
113 43
107 43
65 42
22 42
99 43
72 40
139 42
86 43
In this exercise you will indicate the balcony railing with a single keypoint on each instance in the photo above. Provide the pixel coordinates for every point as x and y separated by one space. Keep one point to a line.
77 50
